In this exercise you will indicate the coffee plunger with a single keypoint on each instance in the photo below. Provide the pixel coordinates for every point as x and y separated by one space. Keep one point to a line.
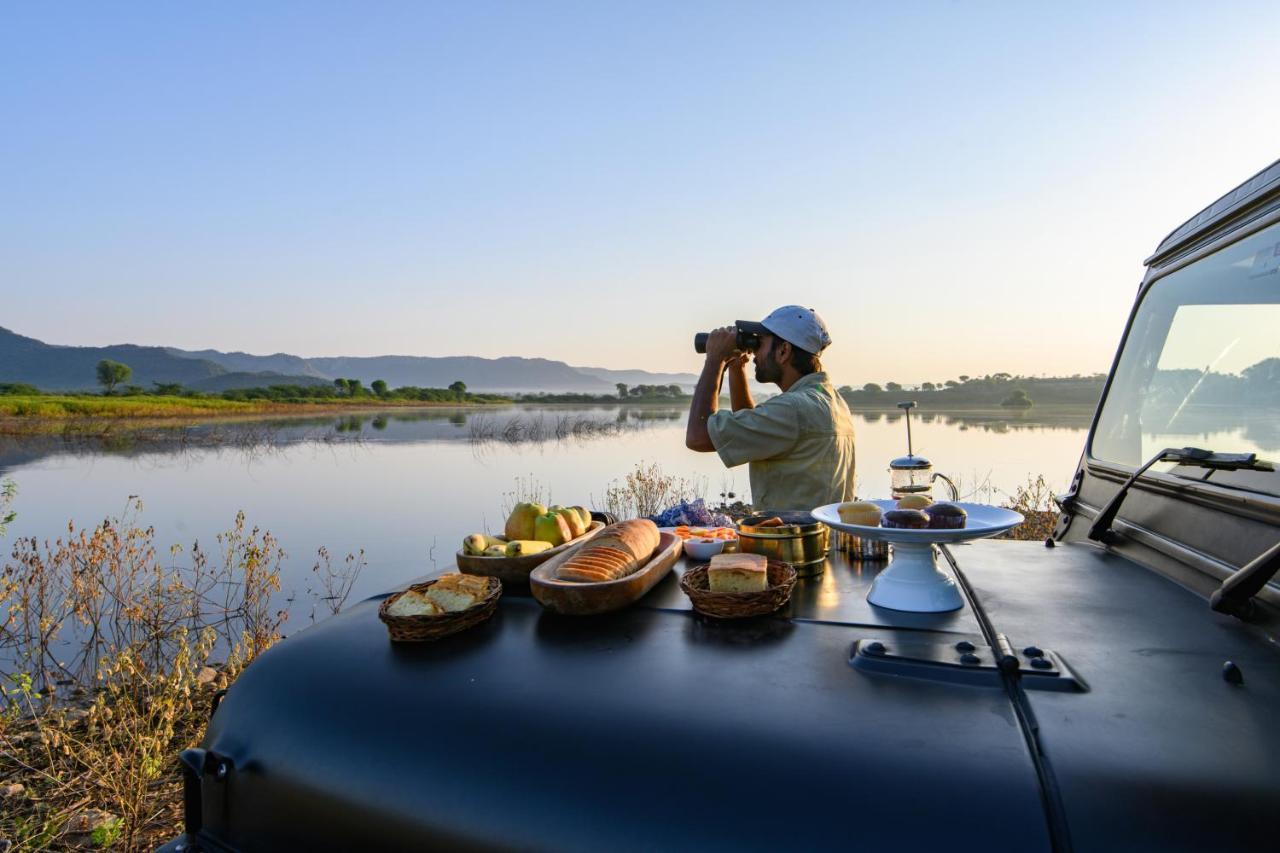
912 474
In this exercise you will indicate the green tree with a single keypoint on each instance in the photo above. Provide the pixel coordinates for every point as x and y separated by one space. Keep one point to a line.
622 390
872 387
928 386
964 378
951 383
459 389
1017 400
22 389
354 388
168 389
341 385
892 386
112 373
379 387
673 390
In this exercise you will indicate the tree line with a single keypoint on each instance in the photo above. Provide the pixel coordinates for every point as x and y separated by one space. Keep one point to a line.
993 389
112 374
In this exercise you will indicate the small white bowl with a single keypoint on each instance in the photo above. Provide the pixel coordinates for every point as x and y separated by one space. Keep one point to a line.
700 550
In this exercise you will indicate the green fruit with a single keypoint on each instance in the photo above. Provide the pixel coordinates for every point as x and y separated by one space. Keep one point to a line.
571 517
476 543
520 522
552 527
525 547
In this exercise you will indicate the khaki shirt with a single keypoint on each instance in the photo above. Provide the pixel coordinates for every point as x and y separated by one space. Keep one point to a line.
799 444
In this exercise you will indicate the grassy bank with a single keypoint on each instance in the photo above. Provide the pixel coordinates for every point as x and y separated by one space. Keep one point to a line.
143 406
88 414
114 648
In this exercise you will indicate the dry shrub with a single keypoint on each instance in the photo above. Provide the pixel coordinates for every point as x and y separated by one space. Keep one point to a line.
108 669
648 491
1035 501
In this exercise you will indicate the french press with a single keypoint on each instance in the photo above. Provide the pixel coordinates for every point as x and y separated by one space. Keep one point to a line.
912 474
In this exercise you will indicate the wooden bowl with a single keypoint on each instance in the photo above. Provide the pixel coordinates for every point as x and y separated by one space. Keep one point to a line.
515 570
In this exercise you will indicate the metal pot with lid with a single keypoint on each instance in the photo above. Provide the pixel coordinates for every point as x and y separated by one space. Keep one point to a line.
800 539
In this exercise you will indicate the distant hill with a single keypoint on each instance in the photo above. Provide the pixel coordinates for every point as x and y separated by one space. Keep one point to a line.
640 377
510 373
61 368
243 362
64 368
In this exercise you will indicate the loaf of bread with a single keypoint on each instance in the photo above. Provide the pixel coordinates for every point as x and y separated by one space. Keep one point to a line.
738 573
614 553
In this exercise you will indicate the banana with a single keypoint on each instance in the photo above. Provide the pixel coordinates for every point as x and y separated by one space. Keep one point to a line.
477 543
525 547
495 551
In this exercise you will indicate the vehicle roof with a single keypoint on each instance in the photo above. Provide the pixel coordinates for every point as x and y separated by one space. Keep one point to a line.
651 728
1249 193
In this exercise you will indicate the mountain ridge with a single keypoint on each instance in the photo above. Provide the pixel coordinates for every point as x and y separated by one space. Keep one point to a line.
60 367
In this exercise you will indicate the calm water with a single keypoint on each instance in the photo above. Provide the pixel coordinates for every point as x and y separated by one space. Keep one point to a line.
407 488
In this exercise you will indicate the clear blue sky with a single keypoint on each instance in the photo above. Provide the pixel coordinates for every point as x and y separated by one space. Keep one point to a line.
955 187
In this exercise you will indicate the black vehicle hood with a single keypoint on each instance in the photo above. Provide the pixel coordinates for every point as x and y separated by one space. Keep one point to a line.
653 728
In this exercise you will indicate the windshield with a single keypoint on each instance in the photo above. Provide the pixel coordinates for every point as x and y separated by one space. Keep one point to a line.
1201 366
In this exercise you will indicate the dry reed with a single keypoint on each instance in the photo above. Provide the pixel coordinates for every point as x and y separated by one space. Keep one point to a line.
108 653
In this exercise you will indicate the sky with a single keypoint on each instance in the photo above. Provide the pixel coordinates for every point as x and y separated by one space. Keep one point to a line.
956 188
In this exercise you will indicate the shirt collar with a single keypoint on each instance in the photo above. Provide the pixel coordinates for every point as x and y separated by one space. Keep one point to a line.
810 380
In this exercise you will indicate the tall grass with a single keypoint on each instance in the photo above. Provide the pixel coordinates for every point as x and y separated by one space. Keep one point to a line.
64 407
147 406
112 652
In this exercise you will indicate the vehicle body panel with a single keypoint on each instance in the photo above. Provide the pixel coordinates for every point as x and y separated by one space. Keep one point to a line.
1162 753
642 729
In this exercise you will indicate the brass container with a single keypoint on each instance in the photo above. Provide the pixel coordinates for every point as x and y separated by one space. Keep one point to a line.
859 548
801 540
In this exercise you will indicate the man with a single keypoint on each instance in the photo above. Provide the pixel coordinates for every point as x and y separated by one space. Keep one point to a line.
799 443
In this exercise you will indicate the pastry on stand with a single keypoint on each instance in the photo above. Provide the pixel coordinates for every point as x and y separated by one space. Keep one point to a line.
913 580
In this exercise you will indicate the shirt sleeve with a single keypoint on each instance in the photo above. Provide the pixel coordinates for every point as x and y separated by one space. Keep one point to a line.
750 435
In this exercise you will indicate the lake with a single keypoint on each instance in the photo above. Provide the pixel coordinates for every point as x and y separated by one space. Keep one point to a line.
407 486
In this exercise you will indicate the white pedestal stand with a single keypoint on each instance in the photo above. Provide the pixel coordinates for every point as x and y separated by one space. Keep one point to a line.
913 580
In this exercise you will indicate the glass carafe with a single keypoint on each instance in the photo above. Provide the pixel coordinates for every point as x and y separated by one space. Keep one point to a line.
912 474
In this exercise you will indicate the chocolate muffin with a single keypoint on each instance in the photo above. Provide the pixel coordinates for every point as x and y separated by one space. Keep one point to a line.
906 519
946 517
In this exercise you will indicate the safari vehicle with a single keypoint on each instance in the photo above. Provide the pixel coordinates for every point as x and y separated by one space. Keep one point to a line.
1116 687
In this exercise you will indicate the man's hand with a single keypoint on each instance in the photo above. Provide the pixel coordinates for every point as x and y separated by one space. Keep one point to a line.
722 345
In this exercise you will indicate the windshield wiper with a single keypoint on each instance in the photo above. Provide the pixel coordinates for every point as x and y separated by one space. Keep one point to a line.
1101 530
1235 596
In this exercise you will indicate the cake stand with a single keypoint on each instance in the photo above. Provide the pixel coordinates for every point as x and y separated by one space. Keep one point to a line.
913 580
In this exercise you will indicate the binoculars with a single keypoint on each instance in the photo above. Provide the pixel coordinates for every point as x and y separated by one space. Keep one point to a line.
748 341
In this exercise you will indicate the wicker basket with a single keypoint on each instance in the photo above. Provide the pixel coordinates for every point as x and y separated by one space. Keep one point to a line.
737 605
410 629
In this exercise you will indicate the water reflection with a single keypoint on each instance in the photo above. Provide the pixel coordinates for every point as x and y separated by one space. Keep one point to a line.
406 485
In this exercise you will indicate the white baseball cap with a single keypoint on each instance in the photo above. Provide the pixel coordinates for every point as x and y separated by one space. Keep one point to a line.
800 327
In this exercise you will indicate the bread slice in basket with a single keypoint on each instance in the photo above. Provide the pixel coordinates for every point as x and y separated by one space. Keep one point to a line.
614 553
